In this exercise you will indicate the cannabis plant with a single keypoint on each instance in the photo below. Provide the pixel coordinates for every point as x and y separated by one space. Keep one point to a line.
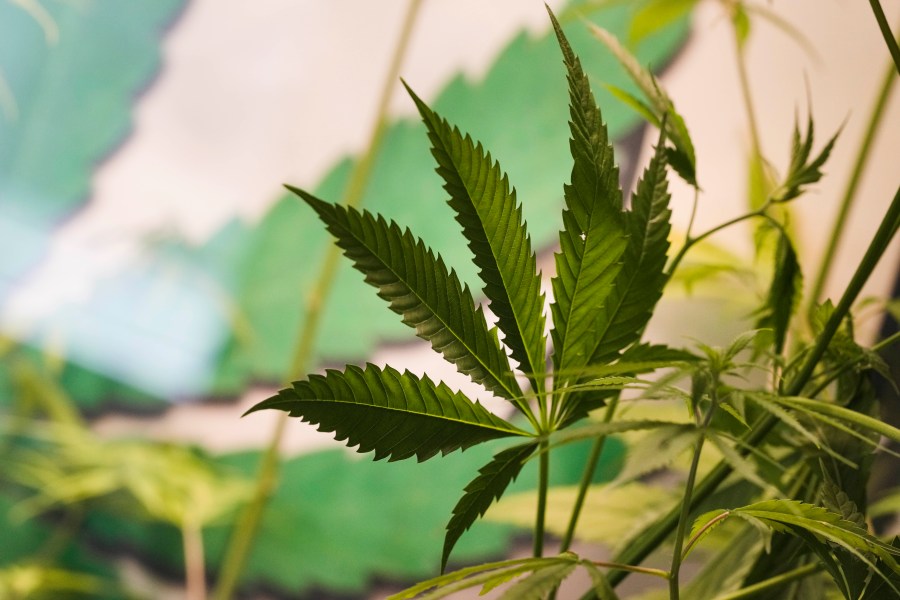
793 450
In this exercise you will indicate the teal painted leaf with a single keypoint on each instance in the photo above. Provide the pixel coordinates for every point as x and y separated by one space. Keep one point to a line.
68 106
492 480
594 235
395 415
419 287
370 504
491 219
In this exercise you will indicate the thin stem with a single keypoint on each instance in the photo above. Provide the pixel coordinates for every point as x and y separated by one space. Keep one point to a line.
195 574
862 158
773 582
543 484
692 241
745 94
642 570
250 519
677 551
886 32
587 477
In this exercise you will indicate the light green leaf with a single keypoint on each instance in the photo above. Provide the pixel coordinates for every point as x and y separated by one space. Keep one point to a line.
395 415
812 407
682 158
602 587
612 514
492 480
820 521
489 575
492 223
595 233
657 14
421 289
540 583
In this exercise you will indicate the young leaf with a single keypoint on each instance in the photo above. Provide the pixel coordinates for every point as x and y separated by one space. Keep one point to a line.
396 415
639 285
420 288
783 293
492 480
801 172
595 233
657 14
492 223
682 157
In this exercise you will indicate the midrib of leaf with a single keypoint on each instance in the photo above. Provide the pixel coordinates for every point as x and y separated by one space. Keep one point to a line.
586 266
508 429
502 381
493 221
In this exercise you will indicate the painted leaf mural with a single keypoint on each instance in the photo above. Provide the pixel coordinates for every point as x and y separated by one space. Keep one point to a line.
67 104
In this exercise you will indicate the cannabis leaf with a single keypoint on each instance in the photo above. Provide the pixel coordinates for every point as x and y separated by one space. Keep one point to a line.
422 290
783 293
660 111
594 237
396 415
802 171
492 222
492 480
639 285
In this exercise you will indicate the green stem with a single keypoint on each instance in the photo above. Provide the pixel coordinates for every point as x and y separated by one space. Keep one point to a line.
862 157
543 484
681 529
250 519
886 32
768 585
654 535
587 477
642 570
691 241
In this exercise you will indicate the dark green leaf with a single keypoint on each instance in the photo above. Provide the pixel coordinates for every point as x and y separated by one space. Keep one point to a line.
595 233
638 286
492 223
802 173
492 480
784 292
419 287
396 415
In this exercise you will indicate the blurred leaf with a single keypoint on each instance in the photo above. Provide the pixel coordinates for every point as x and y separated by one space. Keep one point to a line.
657 14
73 103
612 514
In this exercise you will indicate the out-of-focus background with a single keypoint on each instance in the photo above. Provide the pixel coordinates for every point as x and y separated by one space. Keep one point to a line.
154 274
